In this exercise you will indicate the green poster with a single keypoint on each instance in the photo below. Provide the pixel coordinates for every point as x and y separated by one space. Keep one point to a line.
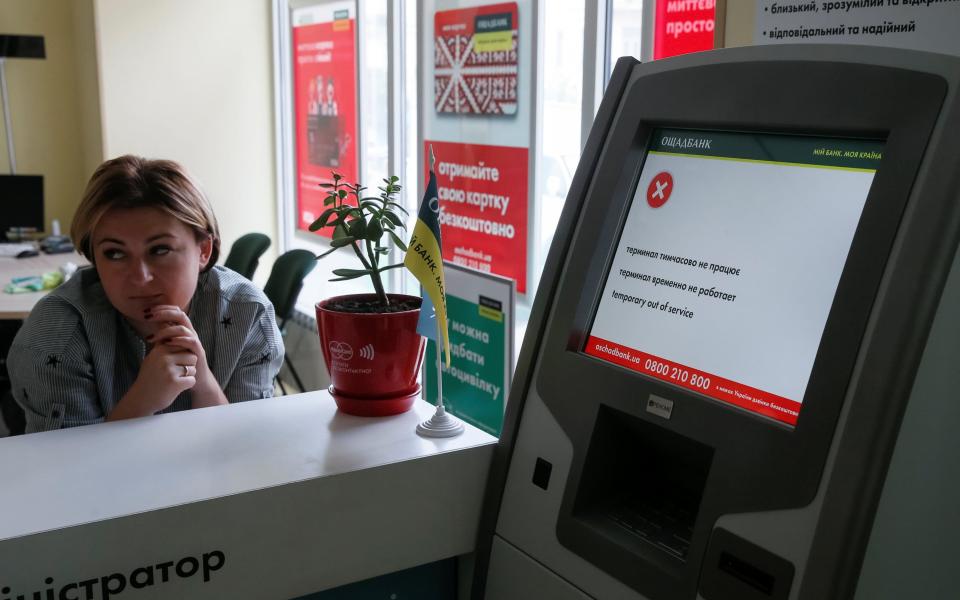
473 385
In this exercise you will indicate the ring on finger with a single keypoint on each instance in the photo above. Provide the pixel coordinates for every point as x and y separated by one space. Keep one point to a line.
186 370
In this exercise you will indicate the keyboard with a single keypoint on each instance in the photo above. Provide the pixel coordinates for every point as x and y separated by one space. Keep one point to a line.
12 250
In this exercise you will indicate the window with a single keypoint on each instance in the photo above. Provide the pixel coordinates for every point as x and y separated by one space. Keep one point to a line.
390 28
372 143
626 30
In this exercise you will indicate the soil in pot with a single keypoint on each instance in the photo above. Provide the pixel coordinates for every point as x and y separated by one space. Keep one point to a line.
372 305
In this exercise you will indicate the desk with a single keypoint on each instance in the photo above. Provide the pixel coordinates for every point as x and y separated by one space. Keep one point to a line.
18 306
295 495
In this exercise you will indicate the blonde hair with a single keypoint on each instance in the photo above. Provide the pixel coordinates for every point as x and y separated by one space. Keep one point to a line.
135 182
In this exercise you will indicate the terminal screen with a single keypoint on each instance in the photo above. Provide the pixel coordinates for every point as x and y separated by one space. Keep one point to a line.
729 261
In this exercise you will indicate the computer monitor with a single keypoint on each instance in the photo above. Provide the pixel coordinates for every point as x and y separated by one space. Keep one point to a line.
715 286
21 197
728 329
22 46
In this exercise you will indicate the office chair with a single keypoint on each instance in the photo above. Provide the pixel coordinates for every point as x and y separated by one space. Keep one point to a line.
245 253
283 287
13 416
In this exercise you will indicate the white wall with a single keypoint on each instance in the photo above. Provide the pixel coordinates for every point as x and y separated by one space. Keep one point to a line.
53 103
191 80
88 86
739 23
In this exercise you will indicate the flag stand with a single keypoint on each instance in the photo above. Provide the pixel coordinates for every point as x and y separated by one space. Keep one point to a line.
441 424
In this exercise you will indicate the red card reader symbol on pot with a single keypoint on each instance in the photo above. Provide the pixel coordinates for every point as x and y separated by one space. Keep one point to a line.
659 190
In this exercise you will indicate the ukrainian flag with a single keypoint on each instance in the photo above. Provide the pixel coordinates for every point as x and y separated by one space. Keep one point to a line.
425 260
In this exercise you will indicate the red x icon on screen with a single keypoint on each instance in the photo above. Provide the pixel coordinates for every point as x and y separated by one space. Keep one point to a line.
659 190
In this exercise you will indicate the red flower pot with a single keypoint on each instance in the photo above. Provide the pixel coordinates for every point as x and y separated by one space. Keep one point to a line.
373 358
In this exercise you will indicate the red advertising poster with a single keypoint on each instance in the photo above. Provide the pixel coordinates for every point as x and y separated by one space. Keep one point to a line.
483 202
683 26
325 97
475 60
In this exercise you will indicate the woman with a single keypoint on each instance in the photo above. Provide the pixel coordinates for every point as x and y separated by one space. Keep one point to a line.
154 326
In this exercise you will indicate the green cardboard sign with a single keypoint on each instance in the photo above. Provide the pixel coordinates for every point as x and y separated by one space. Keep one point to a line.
480 323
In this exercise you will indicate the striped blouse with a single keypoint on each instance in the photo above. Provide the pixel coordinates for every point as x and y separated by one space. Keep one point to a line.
75 356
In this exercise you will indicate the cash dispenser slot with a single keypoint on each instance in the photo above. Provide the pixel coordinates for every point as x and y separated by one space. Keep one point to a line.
747 573
642 483
735 569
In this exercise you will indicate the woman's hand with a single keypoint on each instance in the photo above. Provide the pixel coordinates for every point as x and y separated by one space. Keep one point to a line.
175 330
165 373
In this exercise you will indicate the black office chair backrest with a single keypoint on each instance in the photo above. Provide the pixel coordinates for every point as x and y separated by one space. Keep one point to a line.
245 253
286 280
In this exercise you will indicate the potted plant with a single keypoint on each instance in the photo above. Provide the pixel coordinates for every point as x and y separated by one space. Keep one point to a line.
369 341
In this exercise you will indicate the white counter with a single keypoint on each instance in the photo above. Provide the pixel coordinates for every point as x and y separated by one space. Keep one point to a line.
296 496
